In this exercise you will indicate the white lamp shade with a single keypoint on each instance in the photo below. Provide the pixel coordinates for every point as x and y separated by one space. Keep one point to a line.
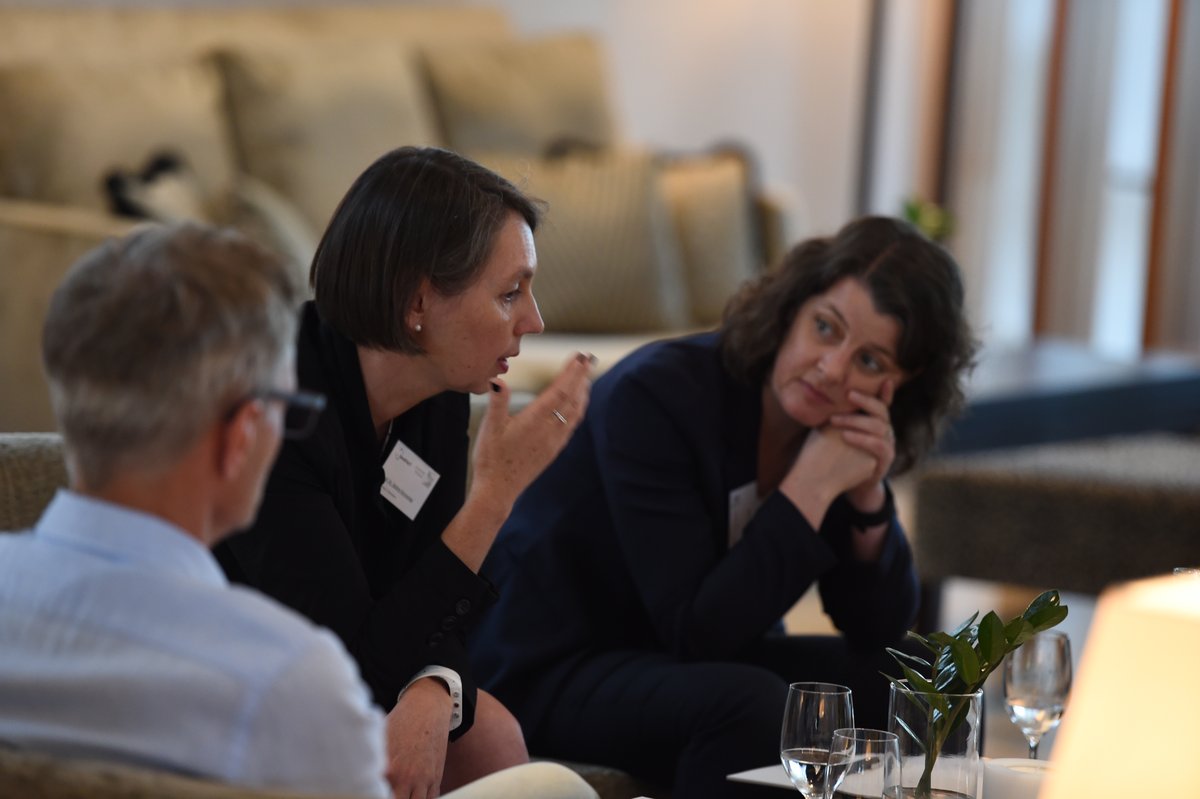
1132 720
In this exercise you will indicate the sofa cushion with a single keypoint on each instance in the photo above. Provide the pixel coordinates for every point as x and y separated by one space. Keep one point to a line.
521 96
269 219
308 122
608 260
713 210
66 125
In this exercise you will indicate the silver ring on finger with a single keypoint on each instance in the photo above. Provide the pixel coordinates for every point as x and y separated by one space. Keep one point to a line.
559 416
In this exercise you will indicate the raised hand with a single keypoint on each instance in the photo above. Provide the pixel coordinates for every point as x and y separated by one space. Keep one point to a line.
510 451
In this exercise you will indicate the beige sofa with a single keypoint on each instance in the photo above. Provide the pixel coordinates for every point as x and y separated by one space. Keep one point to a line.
274 110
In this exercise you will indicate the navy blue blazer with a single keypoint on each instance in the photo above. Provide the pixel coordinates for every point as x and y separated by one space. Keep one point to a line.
623 542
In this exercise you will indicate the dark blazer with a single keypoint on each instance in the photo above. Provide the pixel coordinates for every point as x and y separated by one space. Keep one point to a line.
623 543
327 544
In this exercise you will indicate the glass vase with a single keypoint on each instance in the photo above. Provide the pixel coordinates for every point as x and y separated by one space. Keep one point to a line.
939 742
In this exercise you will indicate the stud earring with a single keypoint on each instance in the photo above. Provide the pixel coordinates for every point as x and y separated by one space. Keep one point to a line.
418 327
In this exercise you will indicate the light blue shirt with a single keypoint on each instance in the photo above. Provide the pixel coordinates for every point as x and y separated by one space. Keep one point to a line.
121 639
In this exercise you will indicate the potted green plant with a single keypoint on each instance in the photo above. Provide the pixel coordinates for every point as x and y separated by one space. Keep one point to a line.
928 217
935 696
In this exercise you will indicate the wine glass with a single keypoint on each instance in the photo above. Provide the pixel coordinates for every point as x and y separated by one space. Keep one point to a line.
813 711
1037 678
864 764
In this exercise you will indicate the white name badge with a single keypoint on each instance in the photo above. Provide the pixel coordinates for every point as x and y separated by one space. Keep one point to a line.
743 504
407 480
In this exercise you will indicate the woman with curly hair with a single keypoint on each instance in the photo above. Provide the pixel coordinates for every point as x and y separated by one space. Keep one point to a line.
714 479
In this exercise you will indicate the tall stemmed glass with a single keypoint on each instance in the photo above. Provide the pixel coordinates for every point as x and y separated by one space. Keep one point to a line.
813 711
1037 678
864 764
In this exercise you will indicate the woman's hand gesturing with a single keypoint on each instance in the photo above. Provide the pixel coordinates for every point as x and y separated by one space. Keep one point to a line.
510 451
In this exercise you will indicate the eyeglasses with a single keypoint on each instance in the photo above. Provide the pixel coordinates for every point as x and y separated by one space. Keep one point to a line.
301 409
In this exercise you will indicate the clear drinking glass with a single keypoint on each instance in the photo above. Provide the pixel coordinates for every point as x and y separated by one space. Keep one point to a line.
1037 679
813 711
938 759
864 764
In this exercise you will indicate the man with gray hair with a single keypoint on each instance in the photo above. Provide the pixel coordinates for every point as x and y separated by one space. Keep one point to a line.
170 359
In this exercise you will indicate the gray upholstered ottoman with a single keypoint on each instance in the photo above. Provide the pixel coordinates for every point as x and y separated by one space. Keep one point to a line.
1074 516
31 470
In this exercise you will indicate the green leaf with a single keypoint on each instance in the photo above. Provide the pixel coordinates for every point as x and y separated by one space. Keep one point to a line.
939 702
1044 600
923 641
916 681
913 659
955 716
941 640
992 643
1046 618
912 733
966 661
1017 632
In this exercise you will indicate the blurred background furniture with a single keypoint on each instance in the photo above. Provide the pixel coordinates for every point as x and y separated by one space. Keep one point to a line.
1055 467
31 470
270 112
1059 390
1077 516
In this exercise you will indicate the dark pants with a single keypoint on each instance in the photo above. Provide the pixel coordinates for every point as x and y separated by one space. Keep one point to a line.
691 724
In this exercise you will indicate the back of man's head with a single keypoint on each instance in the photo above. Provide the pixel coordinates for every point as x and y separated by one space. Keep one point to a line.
151 338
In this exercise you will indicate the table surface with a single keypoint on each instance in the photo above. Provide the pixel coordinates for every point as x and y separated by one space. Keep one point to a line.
775 776
766 775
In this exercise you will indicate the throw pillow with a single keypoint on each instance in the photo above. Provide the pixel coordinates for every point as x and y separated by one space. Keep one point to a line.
607 256
308 122
165 190
712 208
521 96
65 125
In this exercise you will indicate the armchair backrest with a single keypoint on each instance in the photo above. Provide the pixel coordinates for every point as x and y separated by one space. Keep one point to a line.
39 776
31 470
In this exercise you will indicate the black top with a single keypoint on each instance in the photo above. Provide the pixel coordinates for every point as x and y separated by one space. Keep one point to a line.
327 544
623 543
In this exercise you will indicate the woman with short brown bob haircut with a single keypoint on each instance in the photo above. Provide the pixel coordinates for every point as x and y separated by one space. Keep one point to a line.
716 478
423 290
